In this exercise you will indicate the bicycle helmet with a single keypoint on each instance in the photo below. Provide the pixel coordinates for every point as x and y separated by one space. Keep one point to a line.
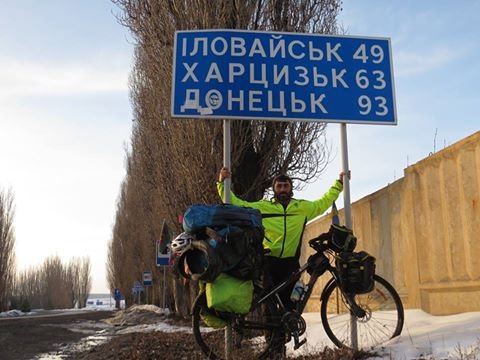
181 243
200 262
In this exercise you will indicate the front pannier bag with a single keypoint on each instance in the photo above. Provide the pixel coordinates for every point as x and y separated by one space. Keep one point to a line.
357 270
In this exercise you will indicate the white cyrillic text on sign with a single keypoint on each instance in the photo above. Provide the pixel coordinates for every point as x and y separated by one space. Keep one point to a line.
282 76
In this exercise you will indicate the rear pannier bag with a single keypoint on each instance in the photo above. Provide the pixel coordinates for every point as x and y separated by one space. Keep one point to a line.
209 316
356 270
229 294
213 321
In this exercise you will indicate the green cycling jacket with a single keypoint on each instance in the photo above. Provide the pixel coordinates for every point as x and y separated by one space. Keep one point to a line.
284 227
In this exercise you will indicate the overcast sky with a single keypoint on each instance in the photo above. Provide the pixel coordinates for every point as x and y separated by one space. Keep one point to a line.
435 48
65 118
65 114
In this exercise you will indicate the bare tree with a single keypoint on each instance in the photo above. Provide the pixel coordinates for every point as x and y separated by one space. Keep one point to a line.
7 248
73 281
173 163
260 149
55 285
85 281
29 288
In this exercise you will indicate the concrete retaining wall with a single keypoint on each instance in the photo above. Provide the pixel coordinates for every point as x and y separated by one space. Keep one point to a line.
424 230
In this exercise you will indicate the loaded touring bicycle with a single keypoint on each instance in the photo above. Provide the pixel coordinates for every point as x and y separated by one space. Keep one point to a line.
222 249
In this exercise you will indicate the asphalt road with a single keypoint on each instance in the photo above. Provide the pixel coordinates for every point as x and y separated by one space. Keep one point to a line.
27 336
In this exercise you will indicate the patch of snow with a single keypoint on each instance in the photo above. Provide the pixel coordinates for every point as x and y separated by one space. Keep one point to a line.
164 327
424 336
14 313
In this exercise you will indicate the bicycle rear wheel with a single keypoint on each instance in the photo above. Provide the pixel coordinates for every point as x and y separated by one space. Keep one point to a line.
383 318
247 343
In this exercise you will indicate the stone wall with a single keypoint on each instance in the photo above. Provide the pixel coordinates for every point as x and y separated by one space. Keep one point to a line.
424 230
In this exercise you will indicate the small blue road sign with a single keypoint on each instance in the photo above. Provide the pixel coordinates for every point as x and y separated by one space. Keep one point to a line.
162 258
147 278
137 288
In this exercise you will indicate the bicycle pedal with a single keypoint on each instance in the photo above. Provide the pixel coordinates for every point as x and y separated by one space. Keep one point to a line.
299 343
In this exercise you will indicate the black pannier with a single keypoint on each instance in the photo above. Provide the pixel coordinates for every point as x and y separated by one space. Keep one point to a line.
242 253
229 240
356 270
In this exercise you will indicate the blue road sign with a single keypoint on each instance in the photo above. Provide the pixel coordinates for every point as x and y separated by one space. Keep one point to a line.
147 278
137 288
282 76
163 260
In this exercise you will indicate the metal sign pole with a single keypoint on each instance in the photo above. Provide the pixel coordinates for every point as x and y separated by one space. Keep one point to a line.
346 179
348 214
227 159
164 286
227 196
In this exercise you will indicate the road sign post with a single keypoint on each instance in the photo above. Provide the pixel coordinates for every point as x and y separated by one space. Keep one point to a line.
137 289
162 248
234 74
147 279
227 196
163 256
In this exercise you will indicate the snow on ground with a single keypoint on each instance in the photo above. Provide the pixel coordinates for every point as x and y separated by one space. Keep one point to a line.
444 337
424 336
14 313
164 327
100 302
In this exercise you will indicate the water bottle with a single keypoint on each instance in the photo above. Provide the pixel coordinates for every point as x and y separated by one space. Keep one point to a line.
298 290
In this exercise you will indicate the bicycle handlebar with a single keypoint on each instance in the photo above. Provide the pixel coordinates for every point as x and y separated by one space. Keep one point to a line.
320 243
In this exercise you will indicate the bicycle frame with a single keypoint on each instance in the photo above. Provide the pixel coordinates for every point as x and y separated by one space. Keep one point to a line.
316 265
300 305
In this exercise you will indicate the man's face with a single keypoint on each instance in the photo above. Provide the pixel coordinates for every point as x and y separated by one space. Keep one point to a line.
282 190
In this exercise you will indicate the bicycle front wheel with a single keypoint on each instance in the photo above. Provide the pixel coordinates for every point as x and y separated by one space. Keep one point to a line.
247 342
383 318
